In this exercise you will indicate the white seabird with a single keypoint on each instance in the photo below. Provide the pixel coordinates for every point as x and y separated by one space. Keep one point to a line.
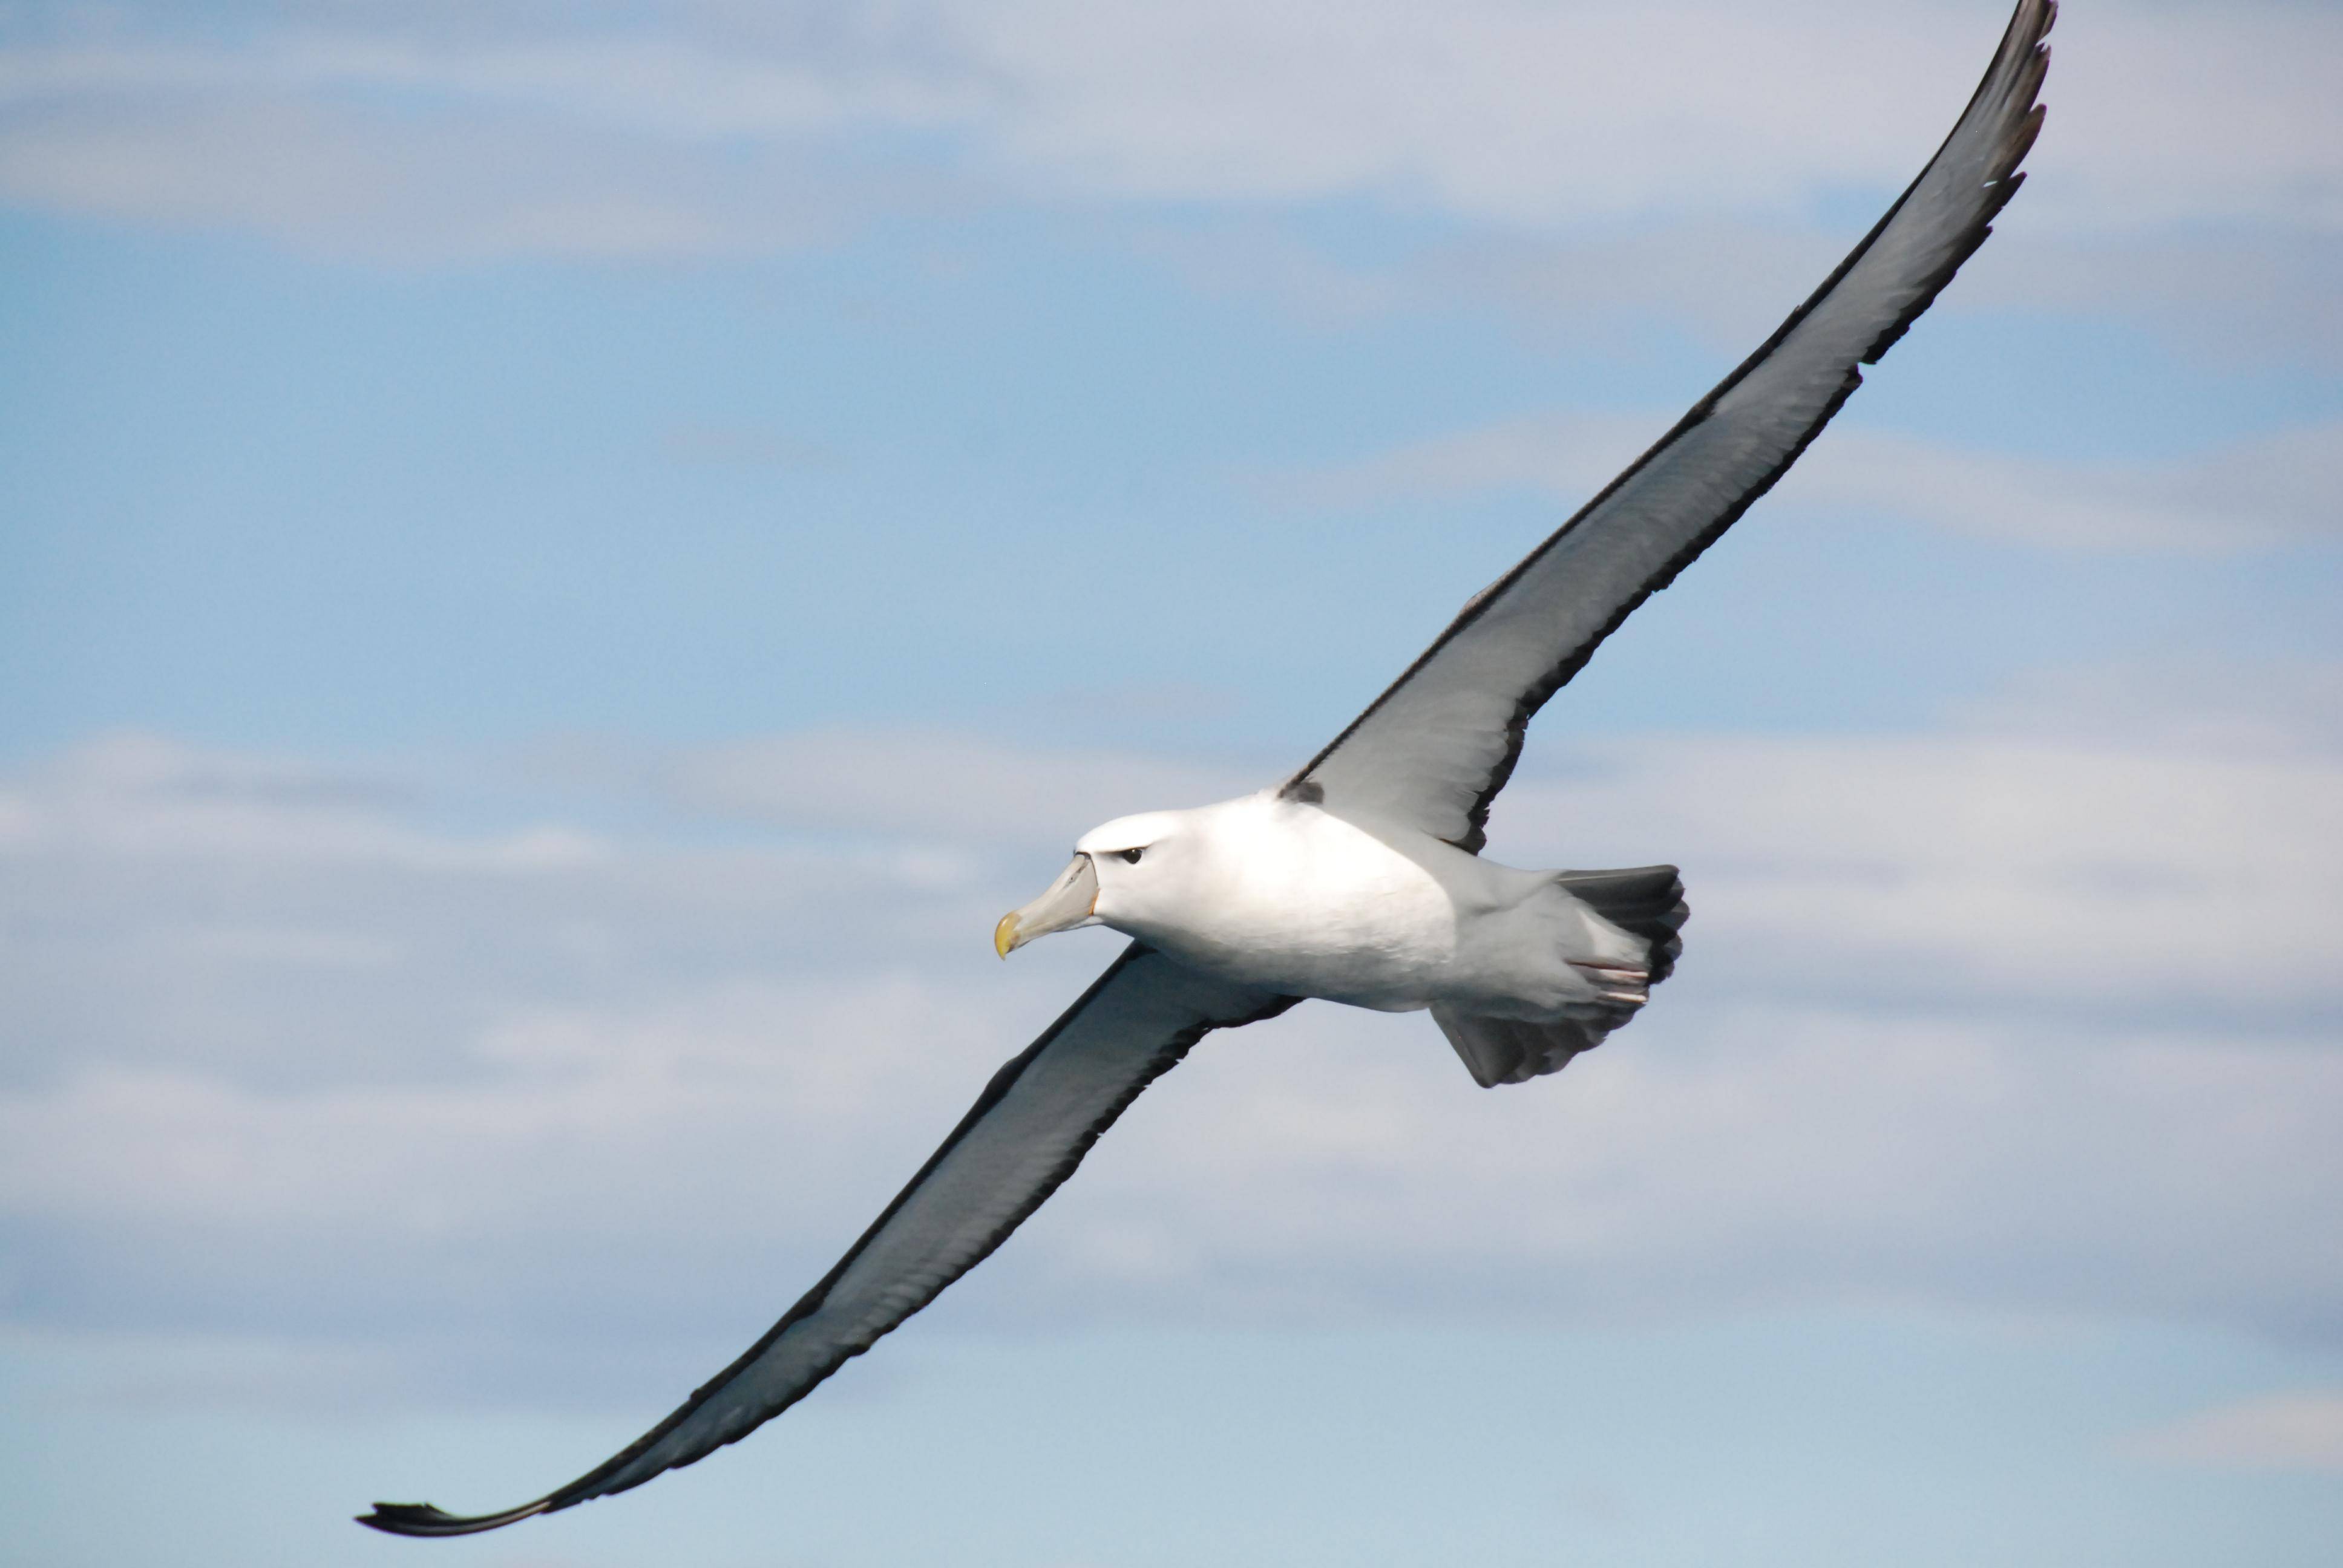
1359 880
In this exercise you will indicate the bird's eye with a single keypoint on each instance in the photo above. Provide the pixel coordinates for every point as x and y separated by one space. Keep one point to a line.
1131 856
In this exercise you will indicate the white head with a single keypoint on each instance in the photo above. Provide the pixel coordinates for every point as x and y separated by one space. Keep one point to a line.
1131 873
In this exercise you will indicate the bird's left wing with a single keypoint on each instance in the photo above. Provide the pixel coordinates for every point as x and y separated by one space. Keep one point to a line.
1025 1134
1432 751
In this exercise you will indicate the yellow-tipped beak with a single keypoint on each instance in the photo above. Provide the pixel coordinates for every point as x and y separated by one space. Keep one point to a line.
1070 901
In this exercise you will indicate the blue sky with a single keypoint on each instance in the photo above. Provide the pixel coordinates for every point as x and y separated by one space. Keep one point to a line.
559 565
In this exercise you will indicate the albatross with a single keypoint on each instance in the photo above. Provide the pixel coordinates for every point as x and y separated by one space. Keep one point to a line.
1360 878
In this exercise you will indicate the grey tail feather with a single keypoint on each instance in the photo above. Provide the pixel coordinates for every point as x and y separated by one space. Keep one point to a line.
1511 1051
1647 902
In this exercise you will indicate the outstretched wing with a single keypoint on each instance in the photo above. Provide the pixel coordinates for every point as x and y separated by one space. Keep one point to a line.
1432 751
1025 1134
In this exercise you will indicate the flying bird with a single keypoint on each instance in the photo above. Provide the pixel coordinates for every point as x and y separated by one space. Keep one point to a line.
1359 879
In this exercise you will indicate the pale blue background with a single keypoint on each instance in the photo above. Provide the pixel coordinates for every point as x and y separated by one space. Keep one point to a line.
357 528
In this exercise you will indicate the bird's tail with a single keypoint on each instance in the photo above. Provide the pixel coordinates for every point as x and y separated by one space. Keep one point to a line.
1647 902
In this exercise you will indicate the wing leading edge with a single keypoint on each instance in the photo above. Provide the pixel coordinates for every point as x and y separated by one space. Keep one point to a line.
1023 1137
1432 751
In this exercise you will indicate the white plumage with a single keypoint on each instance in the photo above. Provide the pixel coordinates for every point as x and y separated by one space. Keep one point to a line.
1278 894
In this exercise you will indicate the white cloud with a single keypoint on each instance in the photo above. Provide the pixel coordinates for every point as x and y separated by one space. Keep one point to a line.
2017 1019
704 1160
659 84
1497 112
371 183
937 785
1975 870
2301 1431
1594 168
1743 1154
2274 490
2257 494
1518 113
2230 294
138 797
2193 707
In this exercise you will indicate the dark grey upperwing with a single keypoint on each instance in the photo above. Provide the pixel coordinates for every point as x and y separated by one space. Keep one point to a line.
1432 751
1025 1134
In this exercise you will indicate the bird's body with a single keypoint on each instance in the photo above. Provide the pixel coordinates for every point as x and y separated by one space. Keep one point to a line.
1277 892
1359 879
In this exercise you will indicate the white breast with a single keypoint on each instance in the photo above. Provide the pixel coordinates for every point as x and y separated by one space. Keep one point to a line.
1285 896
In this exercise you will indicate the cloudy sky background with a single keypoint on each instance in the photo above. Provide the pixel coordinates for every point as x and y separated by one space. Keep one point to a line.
561 564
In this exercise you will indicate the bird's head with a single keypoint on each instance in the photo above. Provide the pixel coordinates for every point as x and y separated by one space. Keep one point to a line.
1128 874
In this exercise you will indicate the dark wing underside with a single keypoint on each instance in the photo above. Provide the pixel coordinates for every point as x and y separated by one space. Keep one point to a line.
1432 751
1025 1134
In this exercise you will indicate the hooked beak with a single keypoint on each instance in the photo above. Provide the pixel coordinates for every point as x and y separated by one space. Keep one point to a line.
1070 902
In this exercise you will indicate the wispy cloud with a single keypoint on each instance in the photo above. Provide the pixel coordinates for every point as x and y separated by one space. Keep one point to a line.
2301 1431
1587 168
2225 296
369 182
2276 490
1971 1017
2197 707
1491 112
950 787
1979 872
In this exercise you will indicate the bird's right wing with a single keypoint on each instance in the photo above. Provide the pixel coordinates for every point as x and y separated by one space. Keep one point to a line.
1024 1136
1432 751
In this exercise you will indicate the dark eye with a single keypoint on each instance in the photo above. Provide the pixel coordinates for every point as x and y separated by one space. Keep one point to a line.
1132 855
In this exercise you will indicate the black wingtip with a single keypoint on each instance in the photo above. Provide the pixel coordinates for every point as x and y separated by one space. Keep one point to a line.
423 1519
